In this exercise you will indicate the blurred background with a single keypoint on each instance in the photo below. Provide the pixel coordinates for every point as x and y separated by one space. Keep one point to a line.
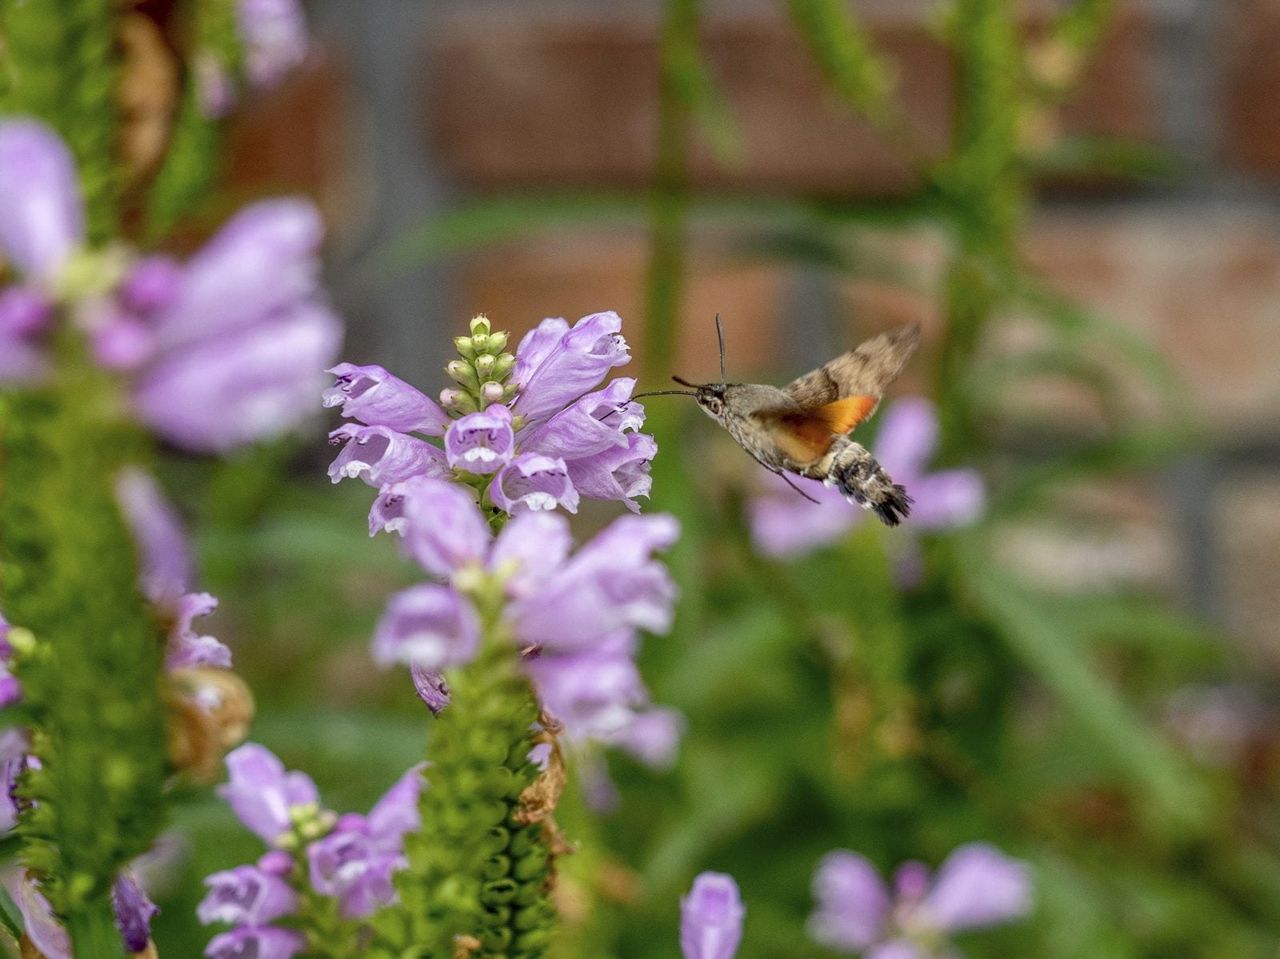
1080 205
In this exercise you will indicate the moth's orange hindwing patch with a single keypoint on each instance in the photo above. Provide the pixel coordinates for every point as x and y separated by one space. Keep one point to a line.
843 415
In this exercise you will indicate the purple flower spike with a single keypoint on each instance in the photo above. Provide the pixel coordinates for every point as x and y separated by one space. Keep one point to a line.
431 688
41 213
261 792
853 903
533 482
373 396
481 442
165 572
445 528
134 911
256 942
427 625
711 918
274 33
978 886
186 648
380 456
556 364
246 896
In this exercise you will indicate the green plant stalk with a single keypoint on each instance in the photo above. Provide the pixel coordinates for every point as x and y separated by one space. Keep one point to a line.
69 574
478 877
61 61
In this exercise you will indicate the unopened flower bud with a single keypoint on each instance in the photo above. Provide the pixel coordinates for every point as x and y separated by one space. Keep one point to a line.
492 392
480 325
497 342
485 364
465 349
502 365
480 344
464 374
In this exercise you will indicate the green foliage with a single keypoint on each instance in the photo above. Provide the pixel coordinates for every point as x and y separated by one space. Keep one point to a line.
91 679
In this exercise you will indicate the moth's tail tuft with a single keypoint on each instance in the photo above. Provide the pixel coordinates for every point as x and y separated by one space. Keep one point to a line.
863 481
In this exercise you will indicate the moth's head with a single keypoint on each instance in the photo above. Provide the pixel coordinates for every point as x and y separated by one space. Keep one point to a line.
710 396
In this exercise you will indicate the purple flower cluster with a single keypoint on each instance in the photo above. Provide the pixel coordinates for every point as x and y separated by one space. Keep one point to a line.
786 524
977 886
574 617
221 351
350 859
529 432
273 38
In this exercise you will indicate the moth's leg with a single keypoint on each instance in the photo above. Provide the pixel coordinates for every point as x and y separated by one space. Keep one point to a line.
777 471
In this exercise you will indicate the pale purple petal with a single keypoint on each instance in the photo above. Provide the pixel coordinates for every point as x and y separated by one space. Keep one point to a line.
445 529
381 456
274 33
853 903
536 346
245 385
41 213
593 694
481 442
711 918
121 341
396 813
907 438
42 928
530 548
246 896
533 482
153 283
347 864
134 911
597 422
550 379
373 396
947 499
261 792
186 647
428 625
897 949
977 886
784 523
431 687
653 737
256 942
165 571
24 310
617 473
264 259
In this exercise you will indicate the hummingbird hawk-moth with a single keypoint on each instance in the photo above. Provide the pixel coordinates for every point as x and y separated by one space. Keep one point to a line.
803 427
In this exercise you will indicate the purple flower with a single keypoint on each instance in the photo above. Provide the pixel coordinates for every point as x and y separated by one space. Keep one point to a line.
431 687
711 918
376 398
533 482
41 214
134 911
263 794
256 942
619 473
556 363
783 523
428 626
15 744
977 886
274 34
38 920
246 896
186 647
356 862
481 442
445 529
165 560
381 456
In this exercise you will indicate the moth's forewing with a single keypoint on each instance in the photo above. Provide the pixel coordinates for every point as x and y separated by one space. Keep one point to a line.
806 435
864 371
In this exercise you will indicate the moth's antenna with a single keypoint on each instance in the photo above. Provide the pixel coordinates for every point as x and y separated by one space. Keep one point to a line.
720 337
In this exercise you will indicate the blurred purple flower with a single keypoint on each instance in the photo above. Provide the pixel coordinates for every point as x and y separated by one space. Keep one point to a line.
41 213
134 911
186 647
977 886
274 34
164 557
246 896
783 523
428 626
38 920
256 942
263 794
711 918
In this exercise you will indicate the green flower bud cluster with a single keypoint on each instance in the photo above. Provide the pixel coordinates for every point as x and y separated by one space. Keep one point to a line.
479 874
481 371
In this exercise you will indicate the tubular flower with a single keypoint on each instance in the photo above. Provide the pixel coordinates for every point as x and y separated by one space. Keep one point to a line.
575 617
977 886
529 432
711 918
351 859
219 352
